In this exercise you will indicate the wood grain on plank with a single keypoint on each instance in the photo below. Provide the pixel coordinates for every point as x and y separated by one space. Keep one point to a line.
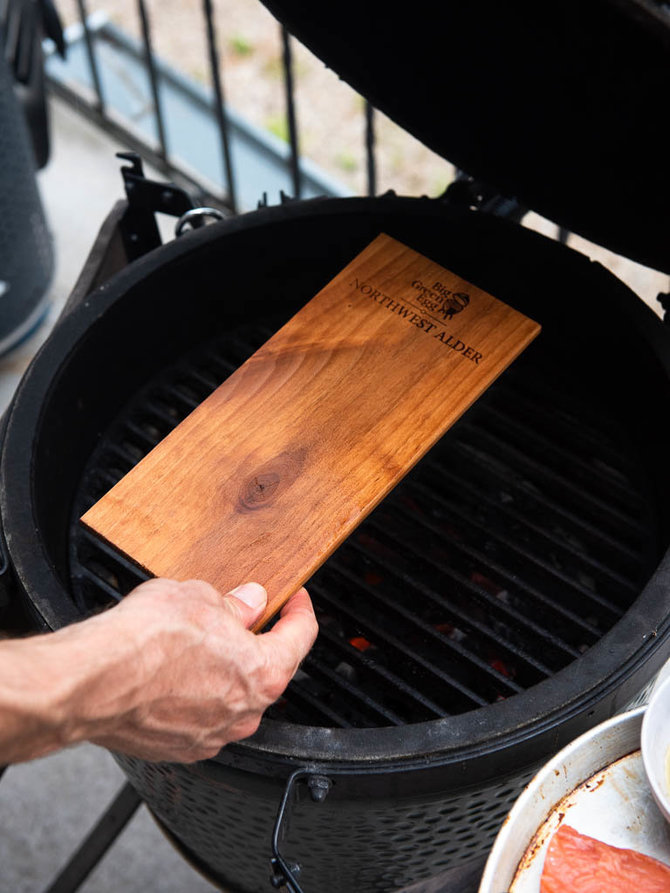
276 468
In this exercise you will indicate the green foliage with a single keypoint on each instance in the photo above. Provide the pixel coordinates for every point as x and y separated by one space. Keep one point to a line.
240 45
278 125
347 161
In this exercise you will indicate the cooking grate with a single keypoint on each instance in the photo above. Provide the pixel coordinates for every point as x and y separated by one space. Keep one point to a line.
521 538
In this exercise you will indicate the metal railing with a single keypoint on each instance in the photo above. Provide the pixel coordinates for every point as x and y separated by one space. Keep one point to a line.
159 153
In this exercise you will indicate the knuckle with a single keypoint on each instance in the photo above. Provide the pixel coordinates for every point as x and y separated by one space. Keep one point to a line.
275 683
247 727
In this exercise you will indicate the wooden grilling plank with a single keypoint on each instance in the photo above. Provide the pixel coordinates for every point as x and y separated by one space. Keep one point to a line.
274 470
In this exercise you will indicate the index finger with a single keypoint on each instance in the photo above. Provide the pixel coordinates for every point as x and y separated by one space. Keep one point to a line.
294 633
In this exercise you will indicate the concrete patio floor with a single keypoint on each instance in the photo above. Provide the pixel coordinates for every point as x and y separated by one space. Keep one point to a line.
47 806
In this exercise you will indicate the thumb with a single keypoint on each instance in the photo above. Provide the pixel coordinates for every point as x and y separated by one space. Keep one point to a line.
247 602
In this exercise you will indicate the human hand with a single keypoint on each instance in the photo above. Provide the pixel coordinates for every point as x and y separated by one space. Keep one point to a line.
205 680
171 673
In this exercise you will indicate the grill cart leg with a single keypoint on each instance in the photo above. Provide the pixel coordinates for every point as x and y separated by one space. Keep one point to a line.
99 840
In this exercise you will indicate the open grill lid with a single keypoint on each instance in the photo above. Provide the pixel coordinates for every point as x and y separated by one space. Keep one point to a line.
561 106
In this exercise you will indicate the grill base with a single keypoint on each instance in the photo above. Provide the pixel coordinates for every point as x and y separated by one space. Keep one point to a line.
343 844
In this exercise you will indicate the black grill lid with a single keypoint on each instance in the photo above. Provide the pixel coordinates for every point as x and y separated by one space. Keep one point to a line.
561 105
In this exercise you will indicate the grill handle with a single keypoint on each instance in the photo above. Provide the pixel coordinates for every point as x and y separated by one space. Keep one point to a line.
284 872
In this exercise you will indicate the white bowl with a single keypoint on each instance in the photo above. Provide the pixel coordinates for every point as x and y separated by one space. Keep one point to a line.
655 740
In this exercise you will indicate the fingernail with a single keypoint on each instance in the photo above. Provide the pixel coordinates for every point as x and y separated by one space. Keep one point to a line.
252 594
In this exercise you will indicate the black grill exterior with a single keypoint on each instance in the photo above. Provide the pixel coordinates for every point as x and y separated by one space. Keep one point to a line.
531 601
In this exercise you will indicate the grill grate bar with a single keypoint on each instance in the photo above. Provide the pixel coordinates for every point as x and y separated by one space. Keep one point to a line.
534 470
148 439
469 622
411 658
515 548
514 583
206 379
125 564
371 707
595 533
560 422
121 452
99 582
509 513
170 418
370 665
178 402
596 477
429 634
298 693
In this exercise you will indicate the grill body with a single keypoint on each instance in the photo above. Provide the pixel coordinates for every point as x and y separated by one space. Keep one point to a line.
415 797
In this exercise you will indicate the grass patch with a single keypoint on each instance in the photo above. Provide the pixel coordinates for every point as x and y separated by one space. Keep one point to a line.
278 125
240 45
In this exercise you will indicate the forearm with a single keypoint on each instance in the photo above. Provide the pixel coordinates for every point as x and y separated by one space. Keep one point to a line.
51 693
31 700
171 673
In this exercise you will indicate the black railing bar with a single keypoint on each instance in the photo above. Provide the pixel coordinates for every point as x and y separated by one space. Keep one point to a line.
220 106
379 634
372 667
506 511
153 80
511 580
131 139
91 57
414 621
98 582
515 548
298 691
316 668
597 478
464 620
535 470
294 159
370 157
513 481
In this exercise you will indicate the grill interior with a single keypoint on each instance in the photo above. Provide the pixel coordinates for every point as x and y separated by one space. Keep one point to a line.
510 549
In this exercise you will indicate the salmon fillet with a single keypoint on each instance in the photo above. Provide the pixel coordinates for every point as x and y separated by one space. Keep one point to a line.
576 863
